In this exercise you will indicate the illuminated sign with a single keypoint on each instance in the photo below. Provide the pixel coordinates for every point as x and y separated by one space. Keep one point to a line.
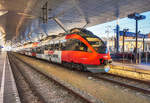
131 34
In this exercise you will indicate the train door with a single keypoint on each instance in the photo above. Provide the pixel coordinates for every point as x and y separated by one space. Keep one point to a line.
40 52
55 53
75 51
82 53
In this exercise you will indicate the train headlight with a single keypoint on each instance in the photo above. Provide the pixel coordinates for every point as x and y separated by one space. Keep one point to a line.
107 68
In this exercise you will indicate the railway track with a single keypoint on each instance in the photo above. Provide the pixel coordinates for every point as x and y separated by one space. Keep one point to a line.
26 89
76 95
134 84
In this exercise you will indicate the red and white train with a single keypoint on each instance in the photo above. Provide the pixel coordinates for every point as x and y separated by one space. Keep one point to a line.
79 49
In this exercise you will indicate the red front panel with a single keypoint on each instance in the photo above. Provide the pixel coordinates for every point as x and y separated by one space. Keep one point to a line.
90 58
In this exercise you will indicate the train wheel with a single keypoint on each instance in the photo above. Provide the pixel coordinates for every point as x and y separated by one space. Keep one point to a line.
83 68
68 65
64 64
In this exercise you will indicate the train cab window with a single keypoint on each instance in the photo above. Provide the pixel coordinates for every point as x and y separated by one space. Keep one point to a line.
97 44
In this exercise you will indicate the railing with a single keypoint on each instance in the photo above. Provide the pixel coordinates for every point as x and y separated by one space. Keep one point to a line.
130 57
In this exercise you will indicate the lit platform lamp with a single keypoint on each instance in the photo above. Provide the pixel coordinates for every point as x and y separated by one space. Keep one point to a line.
137 17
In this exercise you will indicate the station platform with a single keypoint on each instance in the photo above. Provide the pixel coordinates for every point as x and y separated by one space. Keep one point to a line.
142 66
8 89
136 71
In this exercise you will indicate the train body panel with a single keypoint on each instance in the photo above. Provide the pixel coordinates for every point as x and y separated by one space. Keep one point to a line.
40 56
55 56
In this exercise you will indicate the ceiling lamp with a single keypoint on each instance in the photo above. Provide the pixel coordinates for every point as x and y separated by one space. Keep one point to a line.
26 15
3 12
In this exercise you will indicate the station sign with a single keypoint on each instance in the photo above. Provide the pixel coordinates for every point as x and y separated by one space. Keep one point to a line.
131 34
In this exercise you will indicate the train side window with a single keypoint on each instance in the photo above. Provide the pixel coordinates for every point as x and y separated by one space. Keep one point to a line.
42 49
74 45
71 44
57 46
33 50
38 50
60 46
46 47
83 47
52 46
67 45
78 45
63 46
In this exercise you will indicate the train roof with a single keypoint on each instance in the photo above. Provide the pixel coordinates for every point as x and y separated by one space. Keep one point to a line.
82 32
54 39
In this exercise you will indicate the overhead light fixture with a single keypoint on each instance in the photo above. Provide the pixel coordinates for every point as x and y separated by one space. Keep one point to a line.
2 12
1 37
26 15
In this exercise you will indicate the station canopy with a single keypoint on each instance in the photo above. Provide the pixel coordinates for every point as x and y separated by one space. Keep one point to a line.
25 19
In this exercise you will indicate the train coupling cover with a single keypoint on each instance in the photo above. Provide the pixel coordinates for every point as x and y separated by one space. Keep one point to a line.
99 69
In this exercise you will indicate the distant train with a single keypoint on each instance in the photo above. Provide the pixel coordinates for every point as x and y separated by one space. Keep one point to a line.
79 49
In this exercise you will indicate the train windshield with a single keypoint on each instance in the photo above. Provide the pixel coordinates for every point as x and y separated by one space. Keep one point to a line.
97 44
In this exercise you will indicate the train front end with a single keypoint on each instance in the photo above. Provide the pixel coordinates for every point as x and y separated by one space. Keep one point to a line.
101 54
102 63
100 59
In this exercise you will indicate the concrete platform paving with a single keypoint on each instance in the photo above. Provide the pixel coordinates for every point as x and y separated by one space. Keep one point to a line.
8 90
137 66
139 71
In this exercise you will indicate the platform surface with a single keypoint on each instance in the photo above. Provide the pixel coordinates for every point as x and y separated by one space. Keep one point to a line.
136 66
8 90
